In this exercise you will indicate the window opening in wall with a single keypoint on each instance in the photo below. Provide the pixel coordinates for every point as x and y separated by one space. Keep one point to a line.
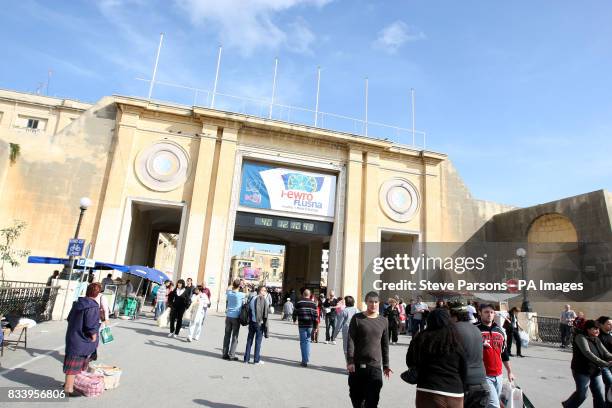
32 124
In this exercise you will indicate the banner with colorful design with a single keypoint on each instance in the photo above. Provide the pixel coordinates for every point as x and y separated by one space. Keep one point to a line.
297 191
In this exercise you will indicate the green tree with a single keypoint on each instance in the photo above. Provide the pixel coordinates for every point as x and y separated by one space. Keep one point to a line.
8 254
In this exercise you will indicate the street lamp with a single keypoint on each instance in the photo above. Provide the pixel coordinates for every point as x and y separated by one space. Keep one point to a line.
522 254
84 203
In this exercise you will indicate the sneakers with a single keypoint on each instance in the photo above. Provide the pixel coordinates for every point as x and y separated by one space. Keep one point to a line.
259 363
197 339
189 339
304 364
226 357
333 342
171 335
234 358
326 342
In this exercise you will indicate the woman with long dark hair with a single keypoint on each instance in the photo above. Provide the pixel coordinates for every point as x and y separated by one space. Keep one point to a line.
588 359
438 358
512 328
178 301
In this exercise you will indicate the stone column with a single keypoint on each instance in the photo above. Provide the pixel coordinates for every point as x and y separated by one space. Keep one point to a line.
352 226
107 239
193 235
218 239
370 222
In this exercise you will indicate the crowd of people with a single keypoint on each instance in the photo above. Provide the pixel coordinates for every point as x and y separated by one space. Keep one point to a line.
456 356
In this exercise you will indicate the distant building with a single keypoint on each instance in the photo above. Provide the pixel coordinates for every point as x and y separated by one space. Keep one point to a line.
258 266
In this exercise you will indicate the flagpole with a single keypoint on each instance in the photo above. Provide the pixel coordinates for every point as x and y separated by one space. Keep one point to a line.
161 40
212 102
366 106
273 87
317 103
413 128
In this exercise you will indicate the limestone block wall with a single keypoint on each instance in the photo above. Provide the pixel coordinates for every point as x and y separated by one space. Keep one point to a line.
53 171
464 217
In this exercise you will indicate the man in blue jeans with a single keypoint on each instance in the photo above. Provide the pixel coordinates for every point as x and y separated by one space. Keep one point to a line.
305 313
235 299
258 322
494 354
161 296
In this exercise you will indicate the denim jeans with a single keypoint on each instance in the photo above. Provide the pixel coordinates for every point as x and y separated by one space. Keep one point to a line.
159 309
255 330
606 376
582 383
305 333
330 325
232 328
566 332
495 389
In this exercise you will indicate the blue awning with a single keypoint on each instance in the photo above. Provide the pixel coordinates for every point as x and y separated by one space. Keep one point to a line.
136 270
47 260
64 261
145 272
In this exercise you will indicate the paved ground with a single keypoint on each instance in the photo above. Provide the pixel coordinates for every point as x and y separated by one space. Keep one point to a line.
159 371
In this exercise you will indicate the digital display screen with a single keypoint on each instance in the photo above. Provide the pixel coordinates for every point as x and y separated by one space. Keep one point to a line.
284 224
265 222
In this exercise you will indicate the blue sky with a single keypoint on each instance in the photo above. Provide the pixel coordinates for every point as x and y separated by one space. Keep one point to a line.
517 94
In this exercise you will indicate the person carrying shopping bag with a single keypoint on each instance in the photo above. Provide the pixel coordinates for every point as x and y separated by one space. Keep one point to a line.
199 306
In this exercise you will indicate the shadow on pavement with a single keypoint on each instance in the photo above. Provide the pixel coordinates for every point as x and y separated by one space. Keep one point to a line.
22 376
37 352
211 404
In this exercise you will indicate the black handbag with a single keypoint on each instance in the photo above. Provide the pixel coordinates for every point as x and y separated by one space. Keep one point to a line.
411 376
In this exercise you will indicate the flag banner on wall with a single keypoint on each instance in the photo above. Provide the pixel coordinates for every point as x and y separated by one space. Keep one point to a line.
297 191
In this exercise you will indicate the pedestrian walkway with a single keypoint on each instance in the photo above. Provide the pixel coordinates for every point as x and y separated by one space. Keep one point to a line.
159 371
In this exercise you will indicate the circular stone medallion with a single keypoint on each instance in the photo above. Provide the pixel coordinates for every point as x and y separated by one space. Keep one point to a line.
162 166
399 199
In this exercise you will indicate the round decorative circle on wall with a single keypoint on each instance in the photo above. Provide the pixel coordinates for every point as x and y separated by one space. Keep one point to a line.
162 166
399 199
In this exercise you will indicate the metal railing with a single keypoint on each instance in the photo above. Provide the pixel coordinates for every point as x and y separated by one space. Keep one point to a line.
19 284
33 302
548 329
265 108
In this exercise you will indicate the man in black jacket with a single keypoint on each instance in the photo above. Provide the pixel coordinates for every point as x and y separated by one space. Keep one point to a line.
367 351
330 317
476 387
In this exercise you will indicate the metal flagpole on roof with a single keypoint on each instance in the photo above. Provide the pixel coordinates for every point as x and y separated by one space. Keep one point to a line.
317 103
214 92
273 87
413 128
366 106
161 40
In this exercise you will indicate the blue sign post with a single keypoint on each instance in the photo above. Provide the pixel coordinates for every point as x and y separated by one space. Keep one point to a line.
75 247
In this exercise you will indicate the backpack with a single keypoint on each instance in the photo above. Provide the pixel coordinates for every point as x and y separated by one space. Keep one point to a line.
245 311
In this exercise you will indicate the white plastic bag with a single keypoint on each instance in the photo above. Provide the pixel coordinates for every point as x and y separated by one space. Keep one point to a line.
524 338
511 396
163 320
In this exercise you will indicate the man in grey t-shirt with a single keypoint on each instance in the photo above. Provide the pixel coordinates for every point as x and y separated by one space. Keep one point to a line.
567 321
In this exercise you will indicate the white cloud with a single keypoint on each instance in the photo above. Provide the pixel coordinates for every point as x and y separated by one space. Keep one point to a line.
249 25
396 34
